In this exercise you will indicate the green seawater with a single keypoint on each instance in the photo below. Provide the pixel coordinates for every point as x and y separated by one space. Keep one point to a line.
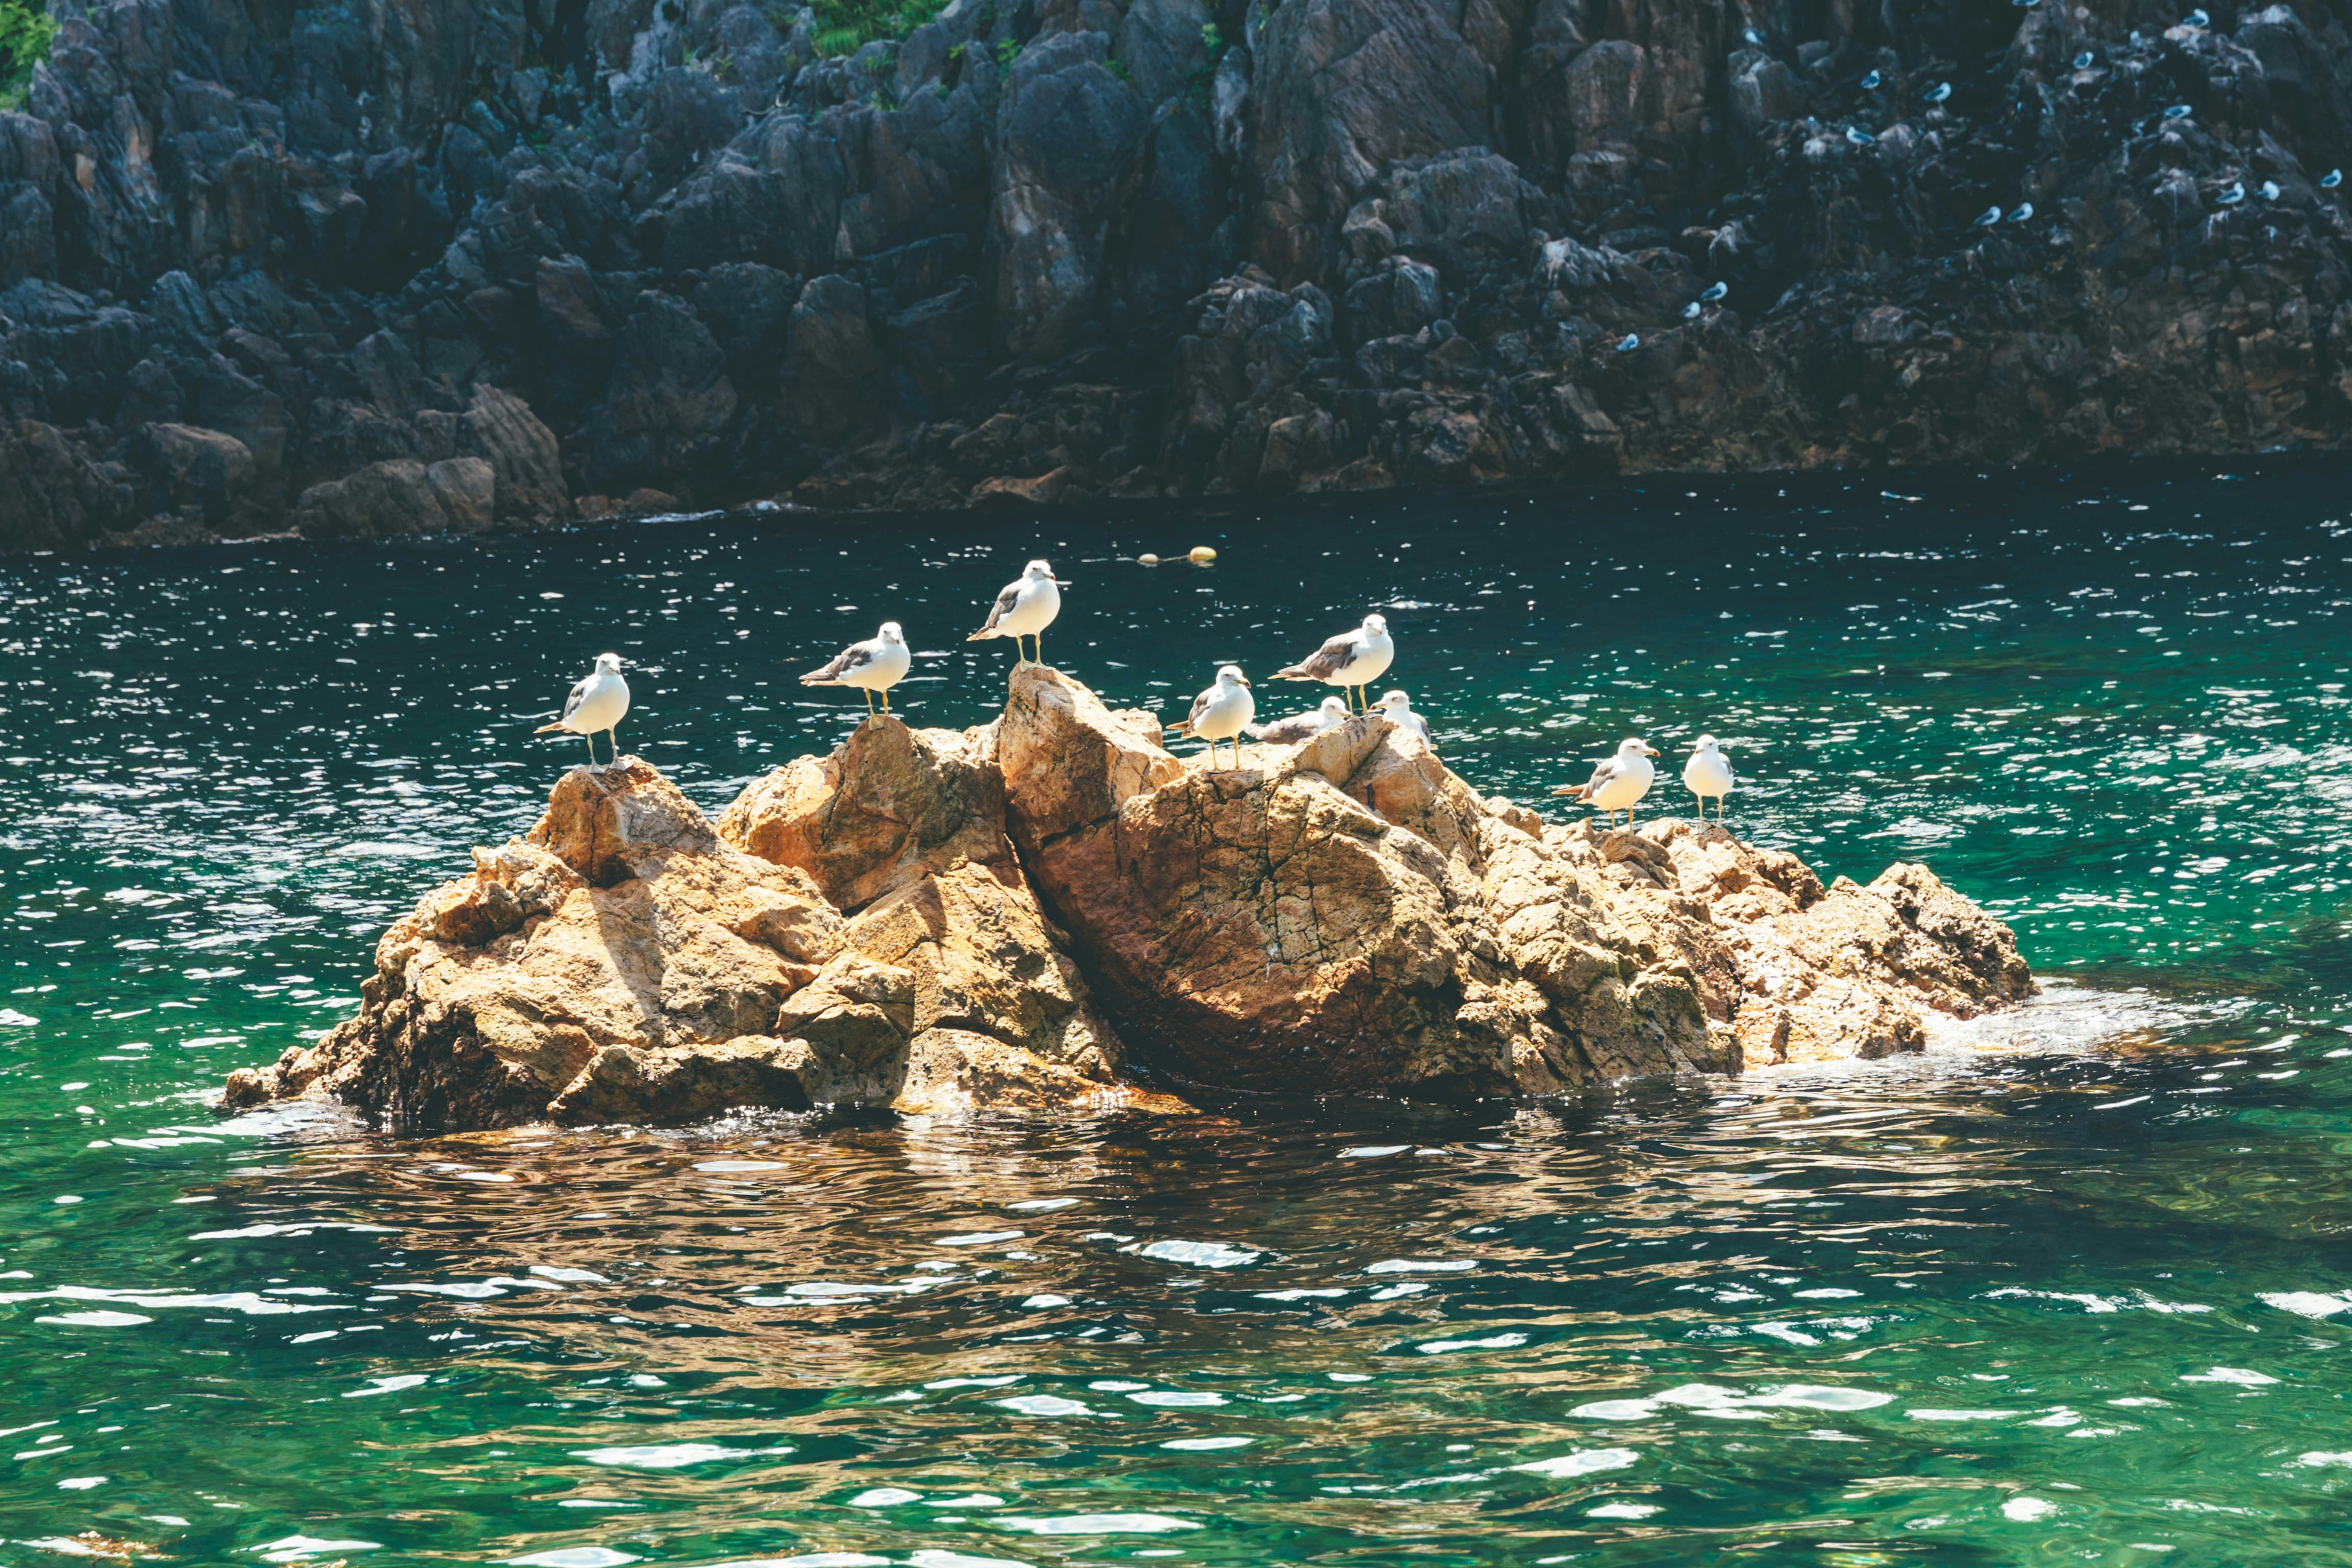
2077 1289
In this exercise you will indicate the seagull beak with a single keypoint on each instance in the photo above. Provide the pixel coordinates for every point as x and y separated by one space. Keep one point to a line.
1649 751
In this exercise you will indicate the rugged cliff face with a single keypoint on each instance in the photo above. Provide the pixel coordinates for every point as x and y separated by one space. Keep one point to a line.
379 268
941 922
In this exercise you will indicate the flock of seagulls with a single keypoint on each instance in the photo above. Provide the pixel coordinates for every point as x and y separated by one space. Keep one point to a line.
1224 712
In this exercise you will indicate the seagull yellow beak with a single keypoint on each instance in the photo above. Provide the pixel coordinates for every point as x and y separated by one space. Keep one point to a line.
1649 751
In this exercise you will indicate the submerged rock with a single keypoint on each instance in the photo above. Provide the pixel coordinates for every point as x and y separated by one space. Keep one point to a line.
938 921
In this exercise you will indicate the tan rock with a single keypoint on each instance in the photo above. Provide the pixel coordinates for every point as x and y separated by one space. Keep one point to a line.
889 803
1850 972
619 943
1264 928
906 827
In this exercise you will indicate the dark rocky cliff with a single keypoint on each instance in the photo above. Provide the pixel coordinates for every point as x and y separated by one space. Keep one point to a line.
385 265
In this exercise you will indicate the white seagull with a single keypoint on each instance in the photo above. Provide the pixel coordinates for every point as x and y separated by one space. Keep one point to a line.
597 703
1706 773
1399 708
878 664
1354 659
1025 608
1331 712
1221 713
1618 782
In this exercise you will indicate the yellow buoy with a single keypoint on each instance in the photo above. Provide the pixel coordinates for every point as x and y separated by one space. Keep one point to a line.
1147 561
1202 555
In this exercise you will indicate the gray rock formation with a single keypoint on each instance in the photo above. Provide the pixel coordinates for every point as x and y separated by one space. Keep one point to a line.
1054 249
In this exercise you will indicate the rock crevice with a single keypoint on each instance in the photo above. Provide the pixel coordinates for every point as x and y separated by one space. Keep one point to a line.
939 922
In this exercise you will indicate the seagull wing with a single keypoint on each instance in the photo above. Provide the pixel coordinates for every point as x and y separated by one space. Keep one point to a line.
1325 662
849 660
571 706
999 610
1602 773
1200 706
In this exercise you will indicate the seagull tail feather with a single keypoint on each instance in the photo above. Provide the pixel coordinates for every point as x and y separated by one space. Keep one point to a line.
548 729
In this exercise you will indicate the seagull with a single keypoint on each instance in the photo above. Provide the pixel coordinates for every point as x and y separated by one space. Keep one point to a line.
2198 18
599 702
2085 60
2018 215
2175 112
1715 292
1221 713
1706 773
1987 217
1618 782
2269 190
1399 708
1940 91
1024 609
1870 81
1351 659
1629 343
1328 714
2330 180
1858 136
2233 195
1691 311
875 665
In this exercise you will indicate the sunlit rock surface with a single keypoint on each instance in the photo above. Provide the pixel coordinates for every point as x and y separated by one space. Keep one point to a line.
938 921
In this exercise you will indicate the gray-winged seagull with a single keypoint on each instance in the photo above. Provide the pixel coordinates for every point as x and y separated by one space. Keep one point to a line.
1707 773
1618 782
1024 609
878 664
1351 659
598 703
1330 712
1221 713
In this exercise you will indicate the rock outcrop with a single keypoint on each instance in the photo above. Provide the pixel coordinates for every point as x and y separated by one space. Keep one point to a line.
938 921
260 269
628 962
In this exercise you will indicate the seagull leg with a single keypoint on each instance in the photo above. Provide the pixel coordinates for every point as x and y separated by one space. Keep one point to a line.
590 739
869 700
886 699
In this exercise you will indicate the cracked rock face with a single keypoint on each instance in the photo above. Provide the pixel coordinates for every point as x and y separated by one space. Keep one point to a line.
938 921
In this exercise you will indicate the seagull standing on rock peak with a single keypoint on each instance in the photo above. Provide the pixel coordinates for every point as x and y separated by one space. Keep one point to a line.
1221 713
1328 714
1707 773
1024 609
1352 659
878 664
599 702
1618 783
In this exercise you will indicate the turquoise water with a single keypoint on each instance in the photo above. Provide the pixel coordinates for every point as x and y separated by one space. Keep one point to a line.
2069 1296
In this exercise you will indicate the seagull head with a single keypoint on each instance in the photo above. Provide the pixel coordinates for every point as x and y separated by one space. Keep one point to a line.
1231 675
1040 572
1634 746
1395 702
1334 708
1377 625
890 632
608 664
1703 743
